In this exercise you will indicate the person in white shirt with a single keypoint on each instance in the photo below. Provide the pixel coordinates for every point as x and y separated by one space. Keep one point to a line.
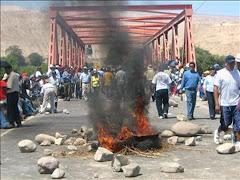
38 72
227 82
161 82
208 91
48 94
55 82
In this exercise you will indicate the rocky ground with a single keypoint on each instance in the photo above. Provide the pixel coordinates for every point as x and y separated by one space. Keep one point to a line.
199 162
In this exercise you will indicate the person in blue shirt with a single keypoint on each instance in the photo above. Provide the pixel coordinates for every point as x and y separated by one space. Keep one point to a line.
208 91
191 82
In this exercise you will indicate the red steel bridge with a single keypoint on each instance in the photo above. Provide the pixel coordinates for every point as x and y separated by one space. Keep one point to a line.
73 27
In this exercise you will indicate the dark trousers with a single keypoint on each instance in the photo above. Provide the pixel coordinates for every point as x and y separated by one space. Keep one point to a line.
12 108
211 103
191 102
162 99
67 90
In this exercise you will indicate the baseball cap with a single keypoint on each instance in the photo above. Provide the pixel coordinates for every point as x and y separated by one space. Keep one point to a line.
230 59
238 58
211 68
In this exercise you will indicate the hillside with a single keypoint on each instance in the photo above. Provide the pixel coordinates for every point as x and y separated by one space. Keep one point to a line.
30 30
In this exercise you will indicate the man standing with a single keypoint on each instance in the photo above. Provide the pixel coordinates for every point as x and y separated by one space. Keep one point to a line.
191 82
12 97
161 82
55 82
108 77
85 80
208 91
48 94
121 81
149 77
66 76
227 82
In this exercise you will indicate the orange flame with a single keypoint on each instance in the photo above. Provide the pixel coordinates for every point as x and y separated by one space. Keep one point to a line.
142 128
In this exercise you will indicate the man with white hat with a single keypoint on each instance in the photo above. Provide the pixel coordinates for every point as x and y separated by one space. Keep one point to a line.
237 59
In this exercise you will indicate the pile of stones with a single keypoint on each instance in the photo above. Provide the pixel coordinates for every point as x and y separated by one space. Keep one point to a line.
119 163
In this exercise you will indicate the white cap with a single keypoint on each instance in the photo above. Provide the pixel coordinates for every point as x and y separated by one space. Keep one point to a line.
237 59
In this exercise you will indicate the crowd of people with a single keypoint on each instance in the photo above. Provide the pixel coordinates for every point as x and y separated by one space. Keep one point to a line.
221 88
24 94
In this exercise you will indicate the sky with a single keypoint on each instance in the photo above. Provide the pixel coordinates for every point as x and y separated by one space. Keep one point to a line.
224 8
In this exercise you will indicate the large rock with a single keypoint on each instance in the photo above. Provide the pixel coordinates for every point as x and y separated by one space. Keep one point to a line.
199 138
181 117
58 174
190 142
167 133
119 161
173 103
47 152
180 140
205 129
103 154
46 165
41 137
79 141
227 148
171 168
131 170
83 129
74 131
185 129
70 141
173 140
26 146
45 143
88 134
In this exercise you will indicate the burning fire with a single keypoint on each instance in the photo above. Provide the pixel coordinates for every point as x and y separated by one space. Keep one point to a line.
142 128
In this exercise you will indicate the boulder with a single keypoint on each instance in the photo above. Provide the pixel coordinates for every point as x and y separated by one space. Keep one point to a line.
173 140
199 138
103 154
205 129
173 103
58 174
46 165
72 148
131 170
41 137
59 141
227 148
180 140
185 129
227 137
70 141
171 168
45 143
47 152
181 117
83 129
119 161
26 146
167 133
190 142
88 134
96 175
79 141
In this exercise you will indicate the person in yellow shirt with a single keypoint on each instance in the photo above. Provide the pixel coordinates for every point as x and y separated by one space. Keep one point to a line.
108 77
95 82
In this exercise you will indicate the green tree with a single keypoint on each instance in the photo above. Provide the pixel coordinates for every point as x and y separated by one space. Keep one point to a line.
35 59
16 53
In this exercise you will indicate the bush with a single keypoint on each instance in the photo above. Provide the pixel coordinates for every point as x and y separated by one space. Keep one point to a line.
35 59
27 69
44 68
16 53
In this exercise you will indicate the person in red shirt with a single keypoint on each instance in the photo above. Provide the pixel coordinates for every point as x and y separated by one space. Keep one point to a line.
3 101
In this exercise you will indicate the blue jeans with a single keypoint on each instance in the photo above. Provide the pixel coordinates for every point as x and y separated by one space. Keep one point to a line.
191 102
3 121
201 93
229 115
211 103
28 110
